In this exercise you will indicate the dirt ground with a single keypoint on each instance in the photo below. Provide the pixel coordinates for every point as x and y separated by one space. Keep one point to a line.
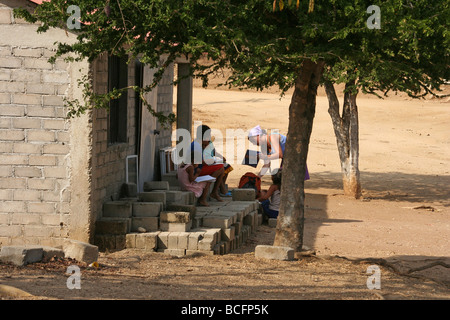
401 225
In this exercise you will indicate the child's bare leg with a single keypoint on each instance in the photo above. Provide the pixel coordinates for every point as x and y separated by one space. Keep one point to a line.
223 187
215 191
202 199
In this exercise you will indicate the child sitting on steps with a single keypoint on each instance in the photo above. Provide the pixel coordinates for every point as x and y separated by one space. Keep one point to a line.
270 199
186 177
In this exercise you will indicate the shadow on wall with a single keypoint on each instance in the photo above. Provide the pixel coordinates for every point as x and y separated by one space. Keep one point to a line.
391 186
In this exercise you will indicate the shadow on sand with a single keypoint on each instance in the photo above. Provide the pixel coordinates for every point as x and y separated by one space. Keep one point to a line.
391 186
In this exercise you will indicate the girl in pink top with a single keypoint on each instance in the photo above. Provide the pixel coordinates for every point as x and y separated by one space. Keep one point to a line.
186 177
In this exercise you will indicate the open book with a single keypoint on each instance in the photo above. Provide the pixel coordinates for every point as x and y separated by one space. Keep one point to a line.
206 178
251 158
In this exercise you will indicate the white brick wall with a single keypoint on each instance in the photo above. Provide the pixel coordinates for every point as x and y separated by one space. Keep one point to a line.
34 141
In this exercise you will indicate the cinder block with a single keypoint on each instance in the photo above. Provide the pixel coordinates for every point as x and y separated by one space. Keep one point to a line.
233 215
41 88
31 172
80 251
12 110
129 190
192 209
183 240
26 123
189 197
12 135
245 206
228 234
10 62
175 227
163 240
156 185
146 209
217 222
206 244
175 217
237 227
41 184
55 172
21 255
131 240
205 210
27 148
153 196
243 194
27 52
117 209
249 219
148 223
112 226
33 63
274 252
59 124
212 233
42 160
194 238
174 197
54 77
240 212
173 240
39 111
147 241
171 179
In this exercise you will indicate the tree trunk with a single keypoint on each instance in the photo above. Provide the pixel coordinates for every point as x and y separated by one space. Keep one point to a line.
289 232
346 129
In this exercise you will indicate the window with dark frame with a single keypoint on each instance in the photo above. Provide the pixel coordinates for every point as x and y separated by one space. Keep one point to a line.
118 108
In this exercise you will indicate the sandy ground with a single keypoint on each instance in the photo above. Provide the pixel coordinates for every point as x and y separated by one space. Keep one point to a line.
404 163
402 223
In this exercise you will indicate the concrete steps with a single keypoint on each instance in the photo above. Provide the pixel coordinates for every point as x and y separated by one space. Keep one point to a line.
171 179
165 220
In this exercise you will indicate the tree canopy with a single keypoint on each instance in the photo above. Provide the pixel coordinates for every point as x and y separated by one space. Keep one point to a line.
265 42
269 43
